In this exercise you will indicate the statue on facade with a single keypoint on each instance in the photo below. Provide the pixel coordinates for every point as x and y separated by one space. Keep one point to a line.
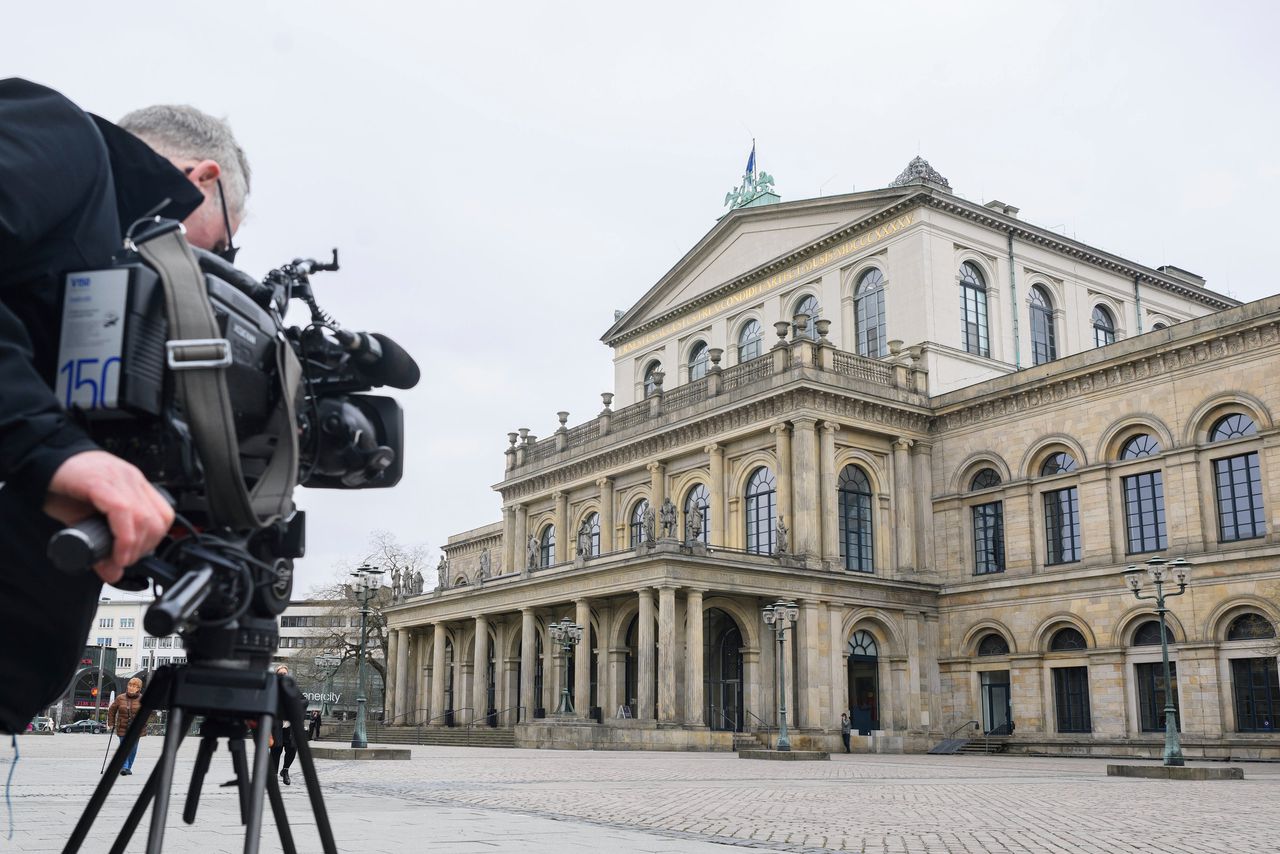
396 590
649 519
418 582
442 574
531 552
486 568
584 539
781 548
693 526
668 515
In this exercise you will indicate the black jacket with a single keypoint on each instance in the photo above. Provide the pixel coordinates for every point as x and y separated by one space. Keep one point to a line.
70 183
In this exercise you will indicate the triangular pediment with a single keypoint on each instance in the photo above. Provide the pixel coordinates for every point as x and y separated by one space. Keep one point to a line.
744 240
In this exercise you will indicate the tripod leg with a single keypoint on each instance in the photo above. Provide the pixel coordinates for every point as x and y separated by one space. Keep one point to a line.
135 814
208 744
172 738
155 696
261 757
241 766
291 703
277 811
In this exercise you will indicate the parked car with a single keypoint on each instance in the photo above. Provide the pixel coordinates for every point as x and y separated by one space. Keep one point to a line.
86 725
41 723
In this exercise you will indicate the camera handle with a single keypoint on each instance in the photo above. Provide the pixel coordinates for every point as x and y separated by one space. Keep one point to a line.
77 547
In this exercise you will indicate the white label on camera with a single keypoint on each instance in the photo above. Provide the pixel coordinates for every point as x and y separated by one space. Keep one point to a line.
93 318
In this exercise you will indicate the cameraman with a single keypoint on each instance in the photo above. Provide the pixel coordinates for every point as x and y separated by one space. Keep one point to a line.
70 185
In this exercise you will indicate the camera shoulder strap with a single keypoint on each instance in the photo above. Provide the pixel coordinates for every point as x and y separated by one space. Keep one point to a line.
198 356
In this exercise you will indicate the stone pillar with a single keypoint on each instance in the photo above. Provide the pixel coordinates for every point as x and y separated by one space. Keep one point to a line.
913 699
1200 691
719 510
438 675
644 667
922 481
582 661
931 675
792 662
1026 691
480 679
657 485
402 676
607 543
809 681
520 549
903 505
550 671
617 682
501 693
423 701
389 683
805 526
528 653
1107 706
828 500
563 536
838 672
667 654
510 541
782 440
603 690
695 706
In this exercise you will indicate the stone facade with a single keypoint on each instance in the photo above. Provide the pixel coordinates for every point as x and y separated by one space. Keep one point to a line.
948 514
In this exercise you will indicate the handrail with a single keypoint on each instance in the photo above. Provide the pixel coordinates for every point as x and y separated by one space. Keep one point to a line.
964 726
496 714
732 722
765 727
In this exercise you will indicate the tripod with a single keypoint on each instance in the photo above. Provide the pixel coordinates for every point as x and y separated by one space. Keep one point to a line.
226 698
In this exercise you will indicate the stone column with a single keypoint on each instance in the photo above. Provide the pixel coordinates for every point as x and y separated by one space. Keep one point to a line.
828 498
695 707
402 676
607 543
550 671
423 701
563 536
644 668
480 679
501 694
838 672
805 526
922 481
438 675
809 681
913 699
510 541
782 447
521 552
657 485
1107 706
1200 691
528 653
667 654
1026 691
389 683
719 510
582 661
617 696
903 505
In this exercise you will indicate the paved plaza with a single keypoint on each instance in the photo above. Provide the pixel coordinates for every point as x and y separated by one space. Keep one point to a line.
486 800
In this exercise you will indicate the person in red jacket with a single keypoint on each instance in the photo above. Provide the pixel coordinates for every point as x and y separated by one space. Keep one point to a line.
120 715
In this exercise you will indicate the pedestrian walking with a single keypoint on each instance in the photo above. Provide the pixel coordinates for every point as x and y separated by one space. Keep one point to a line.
121 714
282 738
846 729
313 727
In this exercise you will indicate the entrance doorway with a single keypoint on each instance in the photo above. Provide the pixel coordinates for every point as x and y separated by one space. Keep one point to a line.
864 683
997 708
722 671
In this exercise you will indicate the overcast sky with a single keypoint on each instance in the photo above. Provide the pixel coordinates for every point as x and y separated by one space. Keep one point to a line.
501 176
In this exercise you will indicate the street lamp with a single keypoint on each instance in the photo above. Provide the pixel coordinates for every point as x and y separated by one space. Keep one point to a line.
1159 569
364 586
565 635
328 665
780 616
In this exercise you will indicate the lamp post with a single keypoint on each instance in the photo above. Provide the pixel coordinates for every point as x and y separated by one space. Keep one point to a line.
328 665
565 635
780 616
1159 570
364 586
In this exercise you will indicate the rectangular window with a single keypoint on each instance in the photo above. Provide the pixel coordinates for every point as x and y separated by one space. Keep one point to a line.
1144 512
1256 685
105 622
988 537
126 622
1237 482
124 663
1071 696
166 643
126 642
148 643
1151 694
103 642
1062 526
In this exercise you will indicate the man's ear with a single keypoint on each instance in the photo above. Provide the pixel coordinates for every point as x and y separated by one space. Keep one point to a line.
205 172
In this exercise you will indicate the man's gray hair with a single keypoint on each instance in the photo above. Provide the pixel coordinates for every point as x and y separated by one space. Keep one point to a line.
180 131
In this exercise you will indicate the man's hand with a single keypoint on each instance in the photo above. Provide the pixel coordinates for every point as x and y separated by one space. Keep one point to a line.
95 481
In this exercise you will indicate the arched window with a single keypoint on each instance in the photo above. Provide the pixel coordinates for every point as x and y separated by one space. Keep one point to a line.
973 310
1142 445
1148 634
809 306
1251 627
985 479
1059 463
1044 341
1235 426
750 341
1157 325
547 546
993 644
761 521
651 378
638 532
864 644
1104 327
856 544
592 523
1065 640
868 312
698 360
1238 482
697 503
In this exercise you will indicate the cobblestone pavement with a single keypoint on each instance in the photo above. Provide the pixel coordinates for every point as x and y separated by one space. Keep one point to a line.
475 799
